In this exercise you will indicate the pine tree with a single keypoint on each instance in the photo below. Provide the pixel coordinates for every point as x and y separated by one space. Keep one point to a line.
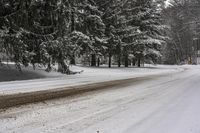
33 27
49 32
89 25
128 30
146 38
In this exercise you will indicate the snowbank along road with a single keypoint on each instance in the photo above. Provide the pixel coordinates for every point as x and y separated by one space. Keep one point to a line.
90 75
167 104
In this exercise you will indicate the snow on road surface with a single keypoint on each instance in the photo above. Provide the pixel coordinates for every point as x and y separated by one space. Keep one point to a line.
168 104
89 75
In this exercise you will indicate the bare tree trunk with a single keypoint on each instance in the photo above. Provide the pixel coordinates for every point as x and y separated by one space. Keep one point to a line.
98 62
73 61
60 69
126 60
62 66
119 60
93 61
133 62
72 21
139 61
119 54
49 66
109 60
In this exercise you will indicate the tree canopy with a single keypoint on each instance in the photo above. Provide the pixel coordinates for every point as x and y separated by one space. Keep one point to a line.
49 32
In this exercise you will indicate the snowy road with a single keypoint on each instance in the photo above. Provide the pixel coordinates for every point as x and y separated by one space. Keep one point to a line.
167 104
90 75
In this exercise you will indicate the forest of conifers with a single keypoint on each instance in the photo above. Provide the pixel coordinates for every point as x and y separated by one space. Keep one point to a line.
120 32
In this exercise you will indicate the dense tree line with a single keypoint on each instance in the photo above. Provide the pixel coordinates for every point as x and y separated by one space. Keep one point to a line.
183 19
58 31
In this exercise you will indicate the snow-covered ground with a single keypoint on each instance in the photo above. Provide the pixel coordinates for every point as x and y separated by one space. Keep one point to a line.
169 104
35 80
8 72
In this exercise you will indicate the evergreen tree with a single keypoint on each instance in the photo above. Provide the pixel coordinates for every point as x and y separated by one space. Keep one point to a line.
33 29
49 32
111 9
144 28
90 26
42 31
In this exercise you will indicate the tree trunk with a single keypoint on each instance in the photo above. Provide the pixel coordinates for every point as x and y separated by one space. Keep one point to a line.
63 68
139 62
119 51
1 64
93 61
133 62
119 61
126 60
60 69
72 61
109 60
98 62
72 22
48 69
